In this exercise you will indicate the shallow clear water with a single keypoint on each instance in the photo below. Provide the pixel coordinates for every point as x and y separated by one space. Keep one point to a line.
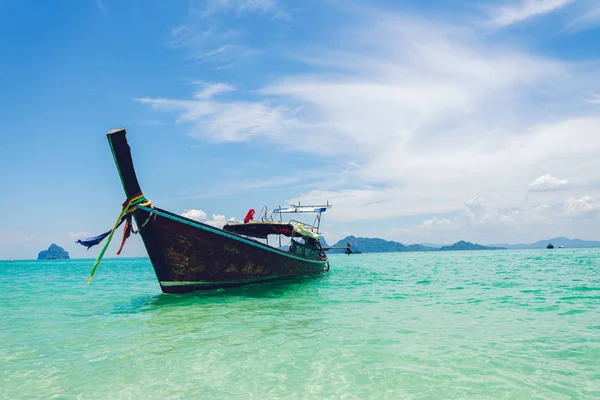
478 325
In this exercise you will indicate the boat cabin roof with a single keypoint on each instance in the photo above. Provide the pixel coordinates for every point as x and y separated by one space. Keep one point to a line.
263 229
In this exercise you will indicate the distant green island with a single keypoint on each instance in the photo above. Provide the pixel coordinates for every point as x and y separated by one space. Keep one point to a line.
557 241
377 245
54 252
374 245
462 245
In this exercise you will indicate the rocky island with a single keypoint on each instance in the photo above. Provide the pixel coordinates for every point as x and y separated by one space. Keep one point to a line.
376 245
54 252
462 245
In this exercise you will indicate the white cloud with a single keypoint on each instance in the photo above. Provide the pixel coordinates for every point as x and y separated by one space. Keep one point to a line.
481 221
595 99
440 114
541 207
197 215
584 205
217 220
547 182
432 226
225 121
80 235
524 10
434 221
537 216
480 212
209 90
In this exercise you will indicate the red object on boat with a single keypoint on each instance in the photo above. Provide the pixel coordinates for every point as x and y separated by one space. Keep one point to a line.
249 215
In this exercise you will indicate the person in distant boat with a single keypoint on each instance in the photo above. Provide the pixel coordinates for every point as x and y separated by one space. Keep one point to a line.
347 250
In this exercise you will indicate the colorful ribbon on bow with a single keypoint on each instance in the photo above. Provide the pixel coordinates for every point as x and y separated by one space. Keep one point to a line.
128 208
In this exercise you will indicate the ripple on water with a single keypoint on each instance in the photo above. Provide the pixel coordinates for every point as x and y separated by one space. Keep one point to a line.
501 324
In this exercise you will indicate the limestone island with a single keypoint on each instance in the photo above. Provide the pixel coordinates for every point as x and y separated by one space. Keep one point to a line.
54 252
462 245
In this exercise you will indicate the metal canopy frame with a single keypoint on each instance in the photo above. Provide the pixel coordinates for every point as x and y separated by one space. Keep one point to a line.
299 208
303 209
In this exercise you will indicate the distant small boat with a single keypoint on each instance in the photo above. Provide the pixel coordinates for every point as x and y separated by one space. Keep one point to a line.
348 250
550 246
561 247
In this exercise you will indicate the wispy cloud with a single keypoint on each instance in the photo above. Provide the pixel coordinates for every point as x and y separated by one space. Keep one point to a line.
210 45
246 186
438 115
584 205
480 220
209 90
524 10
206 8
80 235
101 6
589 16
225 121
214 31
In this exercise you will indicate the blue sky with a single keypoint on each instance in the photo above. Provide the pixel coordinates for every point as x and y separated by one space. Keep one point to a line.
419 121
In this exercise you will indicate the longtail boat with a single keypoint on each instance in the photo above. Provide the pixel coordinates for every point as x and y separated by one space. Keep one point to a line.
188 255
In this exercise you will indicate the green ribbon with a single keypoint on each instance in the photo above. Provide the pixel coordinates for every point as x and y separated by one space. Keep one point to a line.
127 207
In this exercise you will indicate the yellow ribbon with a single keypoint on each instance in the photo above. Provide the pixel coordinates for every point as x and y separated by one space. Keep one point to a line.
128 207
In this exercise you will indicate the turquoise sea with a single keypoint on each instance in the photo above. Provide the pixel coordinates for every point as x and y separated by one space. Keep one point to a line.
453 325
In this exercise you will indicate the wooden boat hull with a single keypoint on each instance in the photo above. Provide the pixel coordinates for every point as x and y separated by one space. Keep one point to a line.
188 255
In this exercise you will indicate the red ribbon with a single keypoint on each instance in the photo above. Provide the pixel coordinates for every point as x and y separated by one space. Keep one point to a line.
126 232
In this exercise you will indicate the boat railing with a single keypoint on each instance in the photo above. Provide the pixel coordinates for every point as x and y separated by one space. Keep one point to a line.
264 215
303 209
